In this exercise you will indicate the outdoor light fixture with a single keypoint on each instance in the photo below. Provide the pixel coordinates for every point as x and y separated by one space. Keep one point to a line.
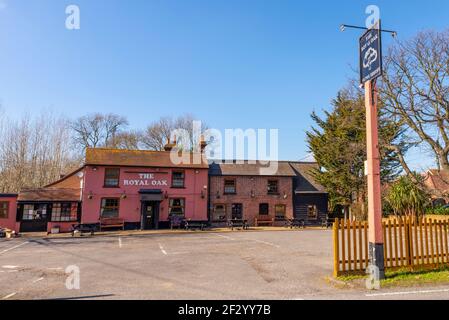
285 195
218 195
253 194
90 195
94 168
166 195
202 194
123 196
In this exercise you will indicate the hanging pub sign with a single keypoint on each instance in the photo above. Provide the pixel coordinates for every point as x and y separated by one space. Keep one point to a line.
371 54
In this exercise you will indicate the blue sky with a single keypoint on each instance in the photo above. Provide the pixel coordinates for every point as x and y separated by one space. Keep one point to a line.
234 64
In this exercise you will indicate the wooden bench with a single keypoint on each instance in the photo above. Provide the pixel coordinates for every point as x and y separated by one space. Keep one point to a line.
238 223
264 221
112 223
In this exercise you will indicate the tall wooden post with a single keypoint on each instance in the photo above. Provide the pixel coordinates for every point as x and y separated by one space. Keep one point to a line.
376 241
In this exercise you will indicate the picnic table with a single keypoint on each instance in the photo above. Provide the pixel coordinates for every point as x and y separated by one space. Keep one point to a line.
295 223
84 228
190 224
327 222
238 223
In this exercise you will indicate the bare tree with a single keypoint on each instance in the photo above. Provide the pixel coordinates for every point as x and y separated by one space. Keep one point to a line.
415 90
130 140
34 152
182 129
97 130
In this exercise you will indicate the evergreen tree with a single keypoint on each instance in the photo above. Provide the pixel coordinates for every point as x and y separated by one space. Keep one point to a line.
338 143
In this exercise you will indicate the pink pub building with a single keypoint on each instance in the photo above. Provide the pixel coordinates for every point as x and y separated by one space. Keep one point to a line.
138 189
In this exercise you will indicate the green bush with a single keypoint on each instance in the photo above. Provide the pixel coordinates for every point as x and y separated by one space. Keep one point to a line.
440 211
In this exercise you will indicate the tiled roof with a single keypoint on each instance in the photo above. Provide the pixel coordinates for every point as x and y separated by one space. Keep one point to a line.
250 168
300 171
50 194
140 158
437 181
305 182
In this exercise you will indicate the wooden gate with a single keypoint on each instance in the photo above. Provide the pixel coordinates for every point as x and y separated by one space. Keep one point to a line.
408 243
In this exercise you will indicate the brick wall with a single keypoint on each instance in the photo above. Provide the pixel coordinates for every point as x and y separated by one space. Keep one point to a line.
250 192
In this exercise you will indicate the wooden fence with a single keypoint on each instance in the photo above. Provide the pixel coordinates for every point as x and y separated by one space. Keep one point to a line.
408 243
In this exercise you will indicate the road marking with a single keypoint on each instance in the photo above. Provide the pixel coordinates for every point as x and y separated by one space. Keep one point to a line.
405 293
9 296
267 243
119 242
222 236
37 280
162 249
15 247
10 267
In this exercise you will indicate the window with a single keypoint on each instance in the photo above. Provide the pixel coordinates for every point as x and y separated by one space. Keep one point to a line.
34 212
237 211
110 207
279 211
177 207
177 179
4 208
64 211
272 187
111 177
219 212
264 209
312 212
229 186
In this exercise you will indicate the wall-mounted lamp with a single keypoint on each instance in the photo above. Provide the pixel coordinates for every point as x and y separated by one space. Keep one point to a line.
94 169
253 194
203 194
123 196
218 195
90 195
285 195
166 195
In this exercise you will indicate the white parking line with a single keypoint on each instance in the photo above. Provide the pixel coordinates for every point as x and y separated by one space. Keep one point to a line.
9 296
119 242
162 249
267 243
222 236
37 280
15 247
405 293
10 267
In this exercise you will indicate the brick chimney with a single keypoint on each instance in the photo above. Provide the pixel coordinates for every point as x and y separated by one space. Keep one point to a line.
203 143
169 146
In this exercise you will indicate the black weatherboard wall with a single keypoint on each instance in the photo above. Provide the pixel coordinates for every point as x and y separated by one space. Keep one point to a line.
307 192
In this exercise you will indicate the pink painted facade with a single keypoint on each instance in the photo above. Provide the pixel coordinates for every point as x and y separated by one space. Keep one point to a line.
10 202
135 179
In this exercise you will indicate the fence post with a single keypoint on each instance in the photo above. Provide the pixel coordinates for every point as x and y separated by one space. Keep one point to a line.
408 242
336 248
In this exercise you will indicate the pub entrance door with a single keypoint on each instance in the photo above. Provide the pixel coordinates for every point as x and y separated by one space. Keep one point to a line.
150 215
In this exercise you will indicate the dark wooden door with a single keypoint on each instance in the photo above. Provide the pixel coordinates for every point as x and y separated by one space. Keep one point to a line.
35 218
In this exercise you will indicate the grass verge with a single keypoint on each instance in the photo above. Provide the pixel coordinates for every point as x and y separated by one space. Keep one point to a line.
404 278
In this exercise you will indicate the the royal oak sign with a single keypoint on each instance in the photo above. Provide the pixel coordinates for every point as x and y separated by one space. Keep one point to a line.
371 54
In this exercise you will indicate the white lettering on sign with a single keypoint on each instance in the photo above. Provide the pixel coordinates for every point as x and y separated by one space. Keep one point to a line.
145 180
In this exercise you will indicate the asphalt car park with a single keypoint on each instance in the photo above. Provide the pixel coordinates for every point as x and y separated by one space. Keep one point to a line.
202 265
